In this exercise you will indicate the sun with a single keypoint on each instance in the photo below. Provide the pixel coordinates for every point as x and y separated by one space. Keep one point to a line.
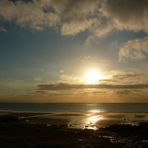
92 77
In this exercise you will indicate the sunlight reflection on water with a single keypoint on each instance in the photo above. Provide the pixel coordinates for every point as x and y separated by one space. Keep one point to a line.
91 121
96 110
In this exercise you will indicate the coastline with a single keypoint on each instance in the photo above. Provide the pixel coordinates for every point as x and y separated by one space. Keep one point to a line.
57 133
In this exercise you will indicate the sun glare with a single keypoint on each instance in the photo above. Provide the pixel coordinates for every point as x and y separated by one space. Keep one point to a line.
92 77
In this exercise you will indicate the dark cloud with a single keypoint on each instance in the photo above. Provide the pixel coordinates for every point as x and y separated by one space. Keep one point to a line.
124 78
128 14
28 14
99 17
64 86
127 75
74 16
129 92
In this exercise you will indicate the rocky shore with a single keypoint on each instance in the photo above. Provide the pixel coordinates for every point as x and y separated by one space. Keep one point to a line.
18 133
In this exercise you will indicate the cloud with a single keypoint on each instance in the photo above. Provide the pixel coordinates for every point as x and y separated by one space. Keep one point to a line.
98 96
103 27
73 16
74 27
134 49
126 77
121 15
96 93
127 14
128 92
66 86
70 17
3 30
29 14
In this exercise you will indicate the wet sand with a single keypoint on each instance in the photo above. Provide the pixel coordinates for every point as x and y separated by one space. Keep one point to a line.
29 130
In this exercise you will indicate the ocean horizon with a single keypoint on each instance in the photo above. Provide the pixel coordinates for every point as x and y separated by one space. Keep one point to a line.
76 107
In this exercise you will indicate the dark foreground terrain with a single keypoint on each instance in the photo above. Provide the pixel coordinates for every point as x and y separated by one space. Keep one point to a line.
16 133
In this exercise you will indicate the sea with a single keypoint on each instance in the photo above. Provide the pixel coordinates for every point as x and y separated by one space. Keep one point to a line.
83 115
76 107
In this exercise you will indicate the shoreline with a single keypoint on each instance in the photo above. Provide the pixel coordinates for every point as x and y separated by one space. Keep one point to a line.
75 119
16 133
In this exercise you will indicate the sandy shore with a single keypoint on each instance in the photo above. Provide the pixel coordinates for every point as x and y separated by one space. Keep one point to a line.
16 132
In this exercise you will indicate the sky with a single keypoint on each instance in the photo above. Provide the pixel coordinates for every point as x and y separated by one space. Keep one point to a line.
89 51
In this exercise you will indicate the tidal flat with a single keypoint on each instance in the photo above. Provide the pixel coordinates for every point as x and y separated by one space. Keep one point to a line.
32 132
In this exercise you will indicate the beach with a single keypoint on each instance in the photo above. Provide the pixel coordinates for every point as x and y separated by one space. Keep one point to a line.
31 130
